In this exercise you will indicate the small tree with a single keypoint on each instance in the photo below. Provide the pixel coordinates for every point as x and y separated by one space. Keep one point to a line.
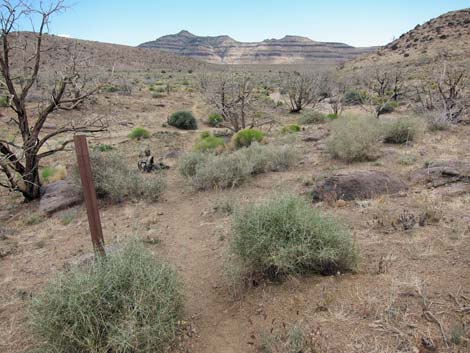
304 89
231 96
20 68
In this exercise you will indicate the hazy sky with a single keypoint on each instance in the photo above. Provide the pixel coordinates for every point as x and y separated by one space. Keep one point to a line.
358 22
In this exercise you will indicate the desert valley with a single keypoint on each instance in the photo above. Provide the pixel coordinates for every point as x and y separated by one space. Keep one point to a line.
283 196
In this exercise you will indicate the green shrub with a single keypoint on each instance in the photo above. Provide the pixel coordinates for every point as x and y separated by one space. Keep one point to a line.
285 235
400 131
246 137
312 117
183 120
209 142
47 173
355 97
388 107
215 119
354 138
206 171
4 101
124 303
115 181
332 116
138 133
103 148
290 129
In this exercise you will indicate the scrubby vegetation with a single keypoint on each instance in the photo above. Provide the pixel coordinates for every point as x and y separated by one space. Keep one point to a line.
208 142
229 169
50 174
401 131
138 133
312 117
215 120
291 129
126 302
285 235
115 181
245 138
355 97
183 120
354 138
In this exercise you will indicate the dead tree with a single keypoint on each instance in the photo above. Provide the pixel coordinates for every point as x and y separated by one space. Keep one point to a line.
304 89
231 95
21 61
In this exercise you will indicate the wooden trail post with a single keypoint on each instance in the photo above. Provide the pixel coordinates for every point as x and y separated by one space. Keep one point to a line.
89 193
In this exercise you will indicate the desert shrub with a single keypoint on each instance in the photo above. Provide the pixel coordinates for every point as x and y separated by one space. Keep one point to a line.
290 129
51 174
138 133
206 170
312 117
215 119
115 181
332 116
284 338
103 147
246 137
355 97
125 303
354 138
285 235
388 107
183 120
400 131
208 142
157 95
437 121
4 101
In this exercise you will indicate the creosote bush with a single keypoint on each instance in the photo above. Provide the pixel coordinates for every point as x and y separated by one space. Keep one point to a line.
312 117
126 302
138 133
183 120
354 138
115 181
208 142
400 131
245 138
285 235
207 170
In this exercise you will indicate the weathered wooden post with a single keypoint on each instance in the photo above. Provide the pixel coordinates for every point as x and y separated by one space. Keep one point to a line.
84 167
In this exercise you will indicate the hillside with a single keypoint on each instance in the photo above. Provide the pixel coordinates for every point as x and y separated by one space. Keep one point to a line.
106 56
445 37
226 50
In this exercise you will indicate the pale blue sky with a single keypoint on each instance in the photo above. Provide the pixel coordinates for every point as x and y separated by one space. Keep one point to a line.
358 23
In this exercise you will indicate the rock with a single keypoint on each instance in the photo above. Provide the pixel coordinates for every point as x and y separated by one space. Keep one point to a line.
316 136
173 154
358 185
58 196
442 173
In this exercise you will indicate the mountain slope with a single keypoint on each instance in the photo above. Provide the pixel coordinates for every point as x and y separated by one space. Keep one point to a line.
226 50
446 37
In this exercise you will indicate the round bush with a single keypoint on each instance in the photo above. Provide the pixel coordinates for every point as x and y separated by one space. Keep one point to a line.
124 303
245 138
183 120
354 138
312 117
355 97
139 133
290 129
400 131
215 120
285 235
208 142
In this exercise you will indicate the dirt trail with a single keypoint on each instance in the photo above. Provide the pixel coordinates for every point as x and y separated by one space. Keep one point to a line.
197 255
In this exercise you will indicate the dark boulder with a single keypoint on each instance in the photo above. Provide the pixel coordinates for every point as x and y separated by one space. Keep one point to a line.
58 196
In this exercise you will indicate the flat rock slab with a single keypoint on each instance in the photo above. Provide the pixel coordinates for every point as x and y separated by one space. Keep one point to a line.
58 196
359 185
442 173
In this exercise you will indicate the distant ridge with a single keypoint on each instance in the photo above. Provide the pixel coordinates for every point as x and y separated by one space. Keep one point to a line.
226 50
